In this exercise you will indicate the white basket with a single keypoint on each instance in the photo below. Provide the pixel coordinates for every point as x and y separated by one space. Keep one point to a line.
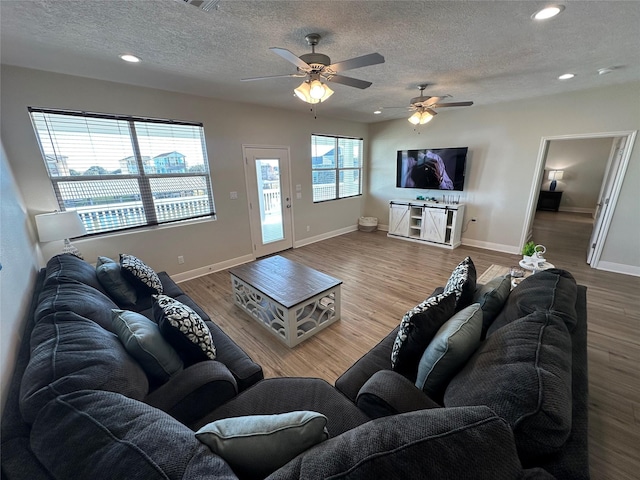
368 224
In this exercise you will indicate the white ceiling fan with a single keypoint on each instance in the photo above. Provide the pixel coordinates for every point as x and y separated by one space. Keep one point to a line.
424 107
316 69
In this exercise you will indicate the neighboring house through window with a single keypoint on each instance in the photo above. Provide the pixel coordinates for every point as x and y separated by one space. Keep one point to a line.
336 166
121 172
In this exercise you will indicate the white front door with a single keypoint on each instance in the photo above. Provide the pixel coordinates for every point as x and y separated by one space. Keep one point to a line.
269 195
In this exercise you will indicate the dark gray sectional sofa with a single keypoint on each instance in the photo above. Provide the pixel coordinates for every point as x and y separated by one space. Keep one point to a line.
80 406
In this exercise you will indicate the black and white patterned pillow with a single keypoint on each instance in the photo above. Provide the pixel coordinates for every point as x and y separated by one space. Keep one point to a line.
462 282
417 328
141 272
184 330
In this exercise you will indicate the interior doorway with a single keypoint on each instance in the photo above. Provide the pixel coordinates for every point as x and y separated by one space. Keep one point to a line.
269 194
622 145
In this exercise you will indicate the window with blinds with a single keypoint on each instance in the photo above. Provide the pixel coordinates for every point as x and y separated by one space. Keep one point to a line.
120 172
336 167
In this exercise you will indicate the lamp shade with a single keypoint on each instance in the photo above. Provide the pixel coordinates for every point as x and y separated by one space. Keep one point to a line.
59 226
556 174
313 91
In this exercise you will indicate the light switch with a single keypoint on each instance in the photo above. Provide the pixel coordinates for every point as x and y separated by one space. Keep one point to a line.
298 188
298 195
234 195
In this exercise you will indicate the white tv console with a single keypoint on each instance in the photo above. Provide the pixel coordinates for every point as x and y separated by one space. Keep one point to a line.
438 224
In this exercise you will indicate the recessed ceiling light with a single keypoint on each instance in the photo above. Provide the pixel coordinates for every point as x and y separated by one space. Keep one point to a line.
129 58
548 12
566 76
377 112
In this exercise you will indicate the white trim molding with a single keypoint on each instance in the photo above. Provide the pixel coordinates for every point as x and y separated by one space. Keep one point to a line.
619 268
498 247
324 236
207 269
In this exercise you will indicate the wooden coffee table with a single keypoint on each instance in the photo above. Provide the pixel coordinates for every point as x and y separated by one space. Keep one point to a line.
291 300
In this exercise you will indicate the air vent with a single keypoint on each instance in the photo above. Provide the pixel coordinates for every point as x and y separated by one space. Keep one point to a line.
206 5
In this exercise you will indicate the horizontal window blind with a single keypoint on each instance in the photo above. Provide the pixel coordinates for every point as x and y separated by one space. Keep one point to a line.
336 166
121 172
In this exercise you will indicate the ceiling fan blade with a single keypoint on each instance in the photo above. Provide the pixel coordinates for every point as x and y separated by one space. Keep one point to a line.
297 75
352 82
452 104
290 57
431 112
358 62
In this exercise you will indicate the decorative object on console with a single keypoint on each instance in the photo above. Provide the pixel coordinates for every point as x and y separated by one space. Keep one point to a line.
553 176
61 226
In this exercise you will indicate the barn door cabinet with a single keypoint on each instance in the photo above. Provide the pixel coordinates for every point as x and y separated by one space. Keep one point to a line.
438 224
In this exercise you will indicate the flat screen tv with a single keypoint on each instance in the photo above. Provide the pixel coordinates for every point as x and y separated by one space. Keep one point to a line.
432 168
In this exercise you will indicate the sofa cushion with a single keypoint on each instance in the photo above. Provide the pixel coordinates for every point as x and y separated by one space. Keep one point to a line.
99 435
66 268
183 328
110 275
523 372
440 443
452 345
462 282
417 328
141 272
70 353
272 440
551 290
144 342
76 297
492 296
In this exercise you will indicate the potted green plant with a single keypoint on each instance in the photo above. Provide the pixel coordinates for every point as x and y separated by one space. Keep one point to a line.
529 249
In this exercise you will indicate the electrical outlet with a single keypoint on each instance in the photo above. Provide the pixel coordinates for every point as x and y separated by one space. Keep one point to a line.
233 195
308 228
180 259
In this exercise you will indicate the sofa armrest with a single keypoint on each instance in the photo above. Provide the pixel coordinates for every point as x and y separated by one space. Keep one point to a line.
195 391
389 393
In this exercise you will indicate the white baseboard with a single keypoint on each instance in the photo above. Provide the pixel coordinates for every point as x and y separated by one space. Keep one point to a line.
498 247
384 228
215 267
324 236
619 268
590 211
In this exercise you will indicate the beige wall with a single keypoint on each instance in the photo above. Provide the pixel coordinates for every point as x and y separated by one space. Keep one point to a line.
504 142
583 162
18 256
227 127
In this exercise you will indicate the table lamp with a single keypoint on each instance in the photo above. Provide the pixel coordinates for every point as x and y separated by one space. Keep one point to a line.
553 176
60 226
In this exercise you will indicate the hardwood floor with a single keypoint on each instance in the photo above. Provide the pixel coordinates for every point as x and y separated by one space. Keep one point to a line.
385 277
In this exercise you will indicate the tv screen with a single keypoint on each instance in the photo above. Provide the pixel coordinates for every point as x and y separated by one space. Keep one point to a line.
432 168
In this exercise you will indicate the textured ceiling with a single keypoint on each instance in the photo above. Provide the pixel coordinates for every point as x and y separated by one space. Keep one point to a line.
484 51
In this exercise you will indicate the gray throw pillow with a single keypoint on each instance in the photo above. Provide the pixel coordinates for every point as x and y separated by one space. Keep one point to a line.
257 445
183 328
452 346
141 272
142 339
110 277
492 296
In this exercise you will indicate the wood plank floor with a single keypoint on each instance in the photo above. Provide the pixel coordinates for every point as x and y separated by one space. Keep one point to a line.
384 277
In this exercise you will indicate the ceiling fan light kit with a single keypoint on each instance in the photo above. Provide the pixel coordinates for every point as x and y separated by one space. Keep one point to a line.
423 106
313 91
421 117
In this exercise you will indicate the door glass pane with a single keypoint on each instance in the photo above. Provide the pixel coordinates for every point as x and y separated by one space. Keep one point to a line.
268 175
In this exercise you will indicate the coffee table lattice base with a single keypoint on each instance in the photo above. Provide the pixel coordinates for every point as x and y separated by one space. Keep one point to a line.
290 325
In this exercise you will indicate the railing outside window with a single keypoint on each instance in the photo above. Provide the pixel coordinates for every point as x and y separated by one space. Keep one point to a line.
121 172
336 164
